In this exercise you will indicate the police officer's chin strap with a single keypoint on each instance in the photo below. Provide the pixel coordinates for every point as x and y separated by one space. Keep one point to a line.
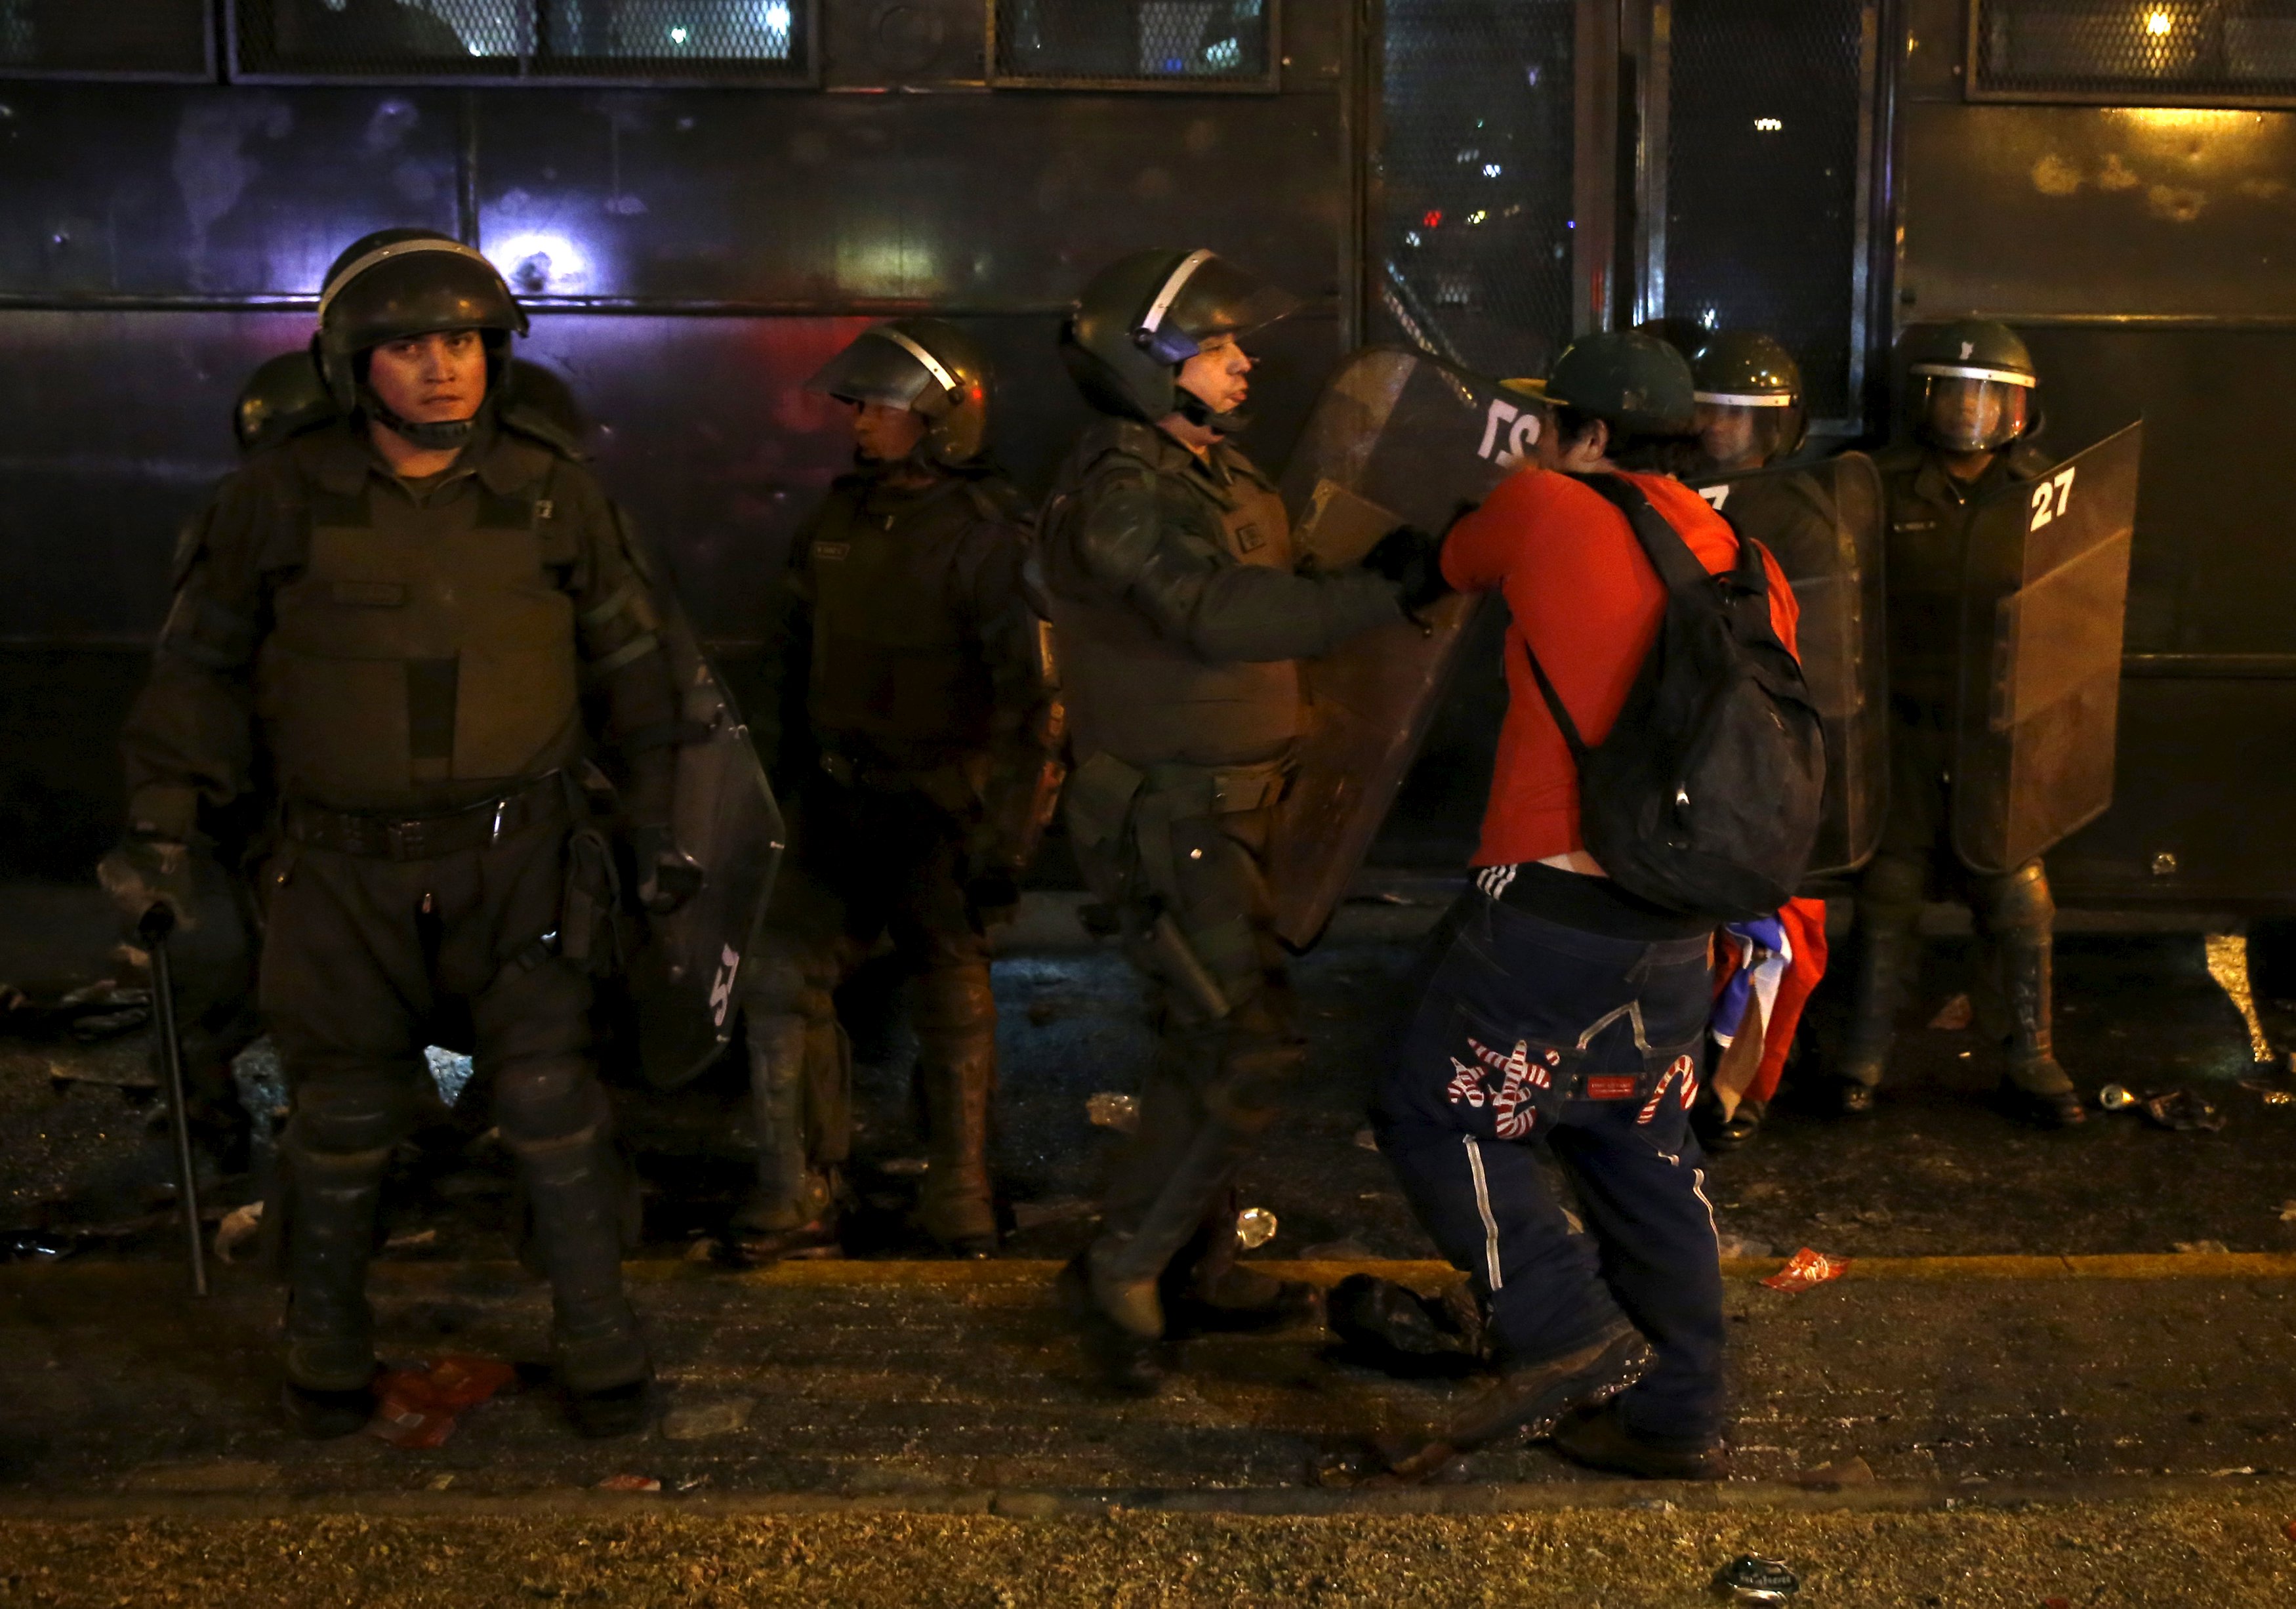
438 436
1197 411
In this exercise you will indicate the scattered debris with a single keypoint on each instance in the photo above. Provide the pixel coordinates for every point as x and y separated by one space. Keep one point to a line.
1255 1226
905 1167
629 1483
2182 1112
692 1483
1366 1140
129 1072
1808 1267
2288 1212
441 1482
1835 1473
2116 1097
36 1246
1739 1248
722 1417
1748 1580
1037 1214
2203 1248
1954 1015
1109 1110
702 1250
1392 1329
416 1407
414 1241
239 1225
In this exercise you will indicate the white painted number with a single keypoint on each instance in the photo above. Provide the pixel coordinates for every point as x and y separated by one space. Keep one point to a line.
721 988
1715 494
1522 434
2050 498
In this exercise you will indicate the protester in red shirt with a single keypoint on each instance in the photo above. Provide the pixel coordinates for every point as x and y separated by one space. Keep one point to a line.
1566 1015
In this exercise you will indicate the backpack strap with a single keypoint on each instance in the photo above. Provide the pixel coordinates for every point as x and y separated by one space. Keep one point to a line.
1661 543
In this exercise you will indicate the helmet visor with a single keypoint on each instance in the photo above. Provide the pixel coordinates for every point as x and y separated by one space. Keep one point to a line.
881 368
1204 296
1964 415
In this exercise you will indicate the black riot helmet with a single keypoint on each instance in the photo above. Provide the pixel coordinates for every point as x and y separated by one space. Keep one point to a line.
1748 389
929 366
396 283
283 395
1969 385
1144 316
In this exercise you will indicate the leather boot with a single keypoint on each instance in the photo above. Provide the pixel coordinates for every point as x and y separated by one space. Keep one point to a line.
2033 1087
1127 1268
1887 954
331 1201
791 1211
572 1187
956 1205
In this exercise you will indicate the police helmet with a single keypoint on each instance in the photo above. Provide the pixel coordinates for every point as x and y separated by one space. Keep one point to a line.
1970 384
1636 383
925 365
401 283
1144 316
1744 369
284 395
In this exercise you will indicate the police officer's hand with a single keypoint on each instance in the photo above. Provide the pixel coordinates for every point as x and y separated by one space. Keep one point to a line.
995 897
1414 560
143 871
668 876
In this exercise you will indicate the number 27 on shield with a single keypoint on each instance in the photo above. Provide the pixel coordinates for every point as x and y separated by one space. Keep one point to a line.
2050 498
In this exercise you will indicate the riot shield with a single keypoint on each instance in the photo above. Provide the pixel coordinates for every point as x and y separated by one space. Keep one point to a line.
1823 524
2044 598
1397 439
681 975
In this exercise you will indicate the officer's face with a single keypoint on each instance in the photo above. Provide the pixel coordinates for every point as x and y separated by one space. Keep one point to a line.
1974 413
1215 375
886 433
1727 435
432 379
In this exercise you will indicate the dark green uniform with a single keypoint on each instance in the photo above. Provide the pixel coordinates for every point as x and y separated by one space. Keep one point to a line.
1928 511
918 716
402 667
1180 621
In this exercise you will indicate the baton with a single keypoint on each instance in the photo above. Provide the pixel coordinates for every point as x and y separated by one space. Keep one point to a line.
157 924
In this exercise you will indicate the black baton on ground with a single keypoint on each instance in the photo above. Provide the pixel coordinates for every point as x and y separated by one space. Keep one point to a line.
158 922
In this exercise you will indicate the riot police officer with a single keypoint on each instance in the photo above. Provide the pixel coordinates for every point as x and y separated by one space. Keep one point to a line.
385 626
918 725
1970 391
1181 619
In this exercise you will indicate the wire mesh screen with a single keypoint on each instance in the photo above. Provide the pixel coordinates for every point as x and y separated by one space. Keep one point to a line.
1471 241
1763 106
1191 44
140 37
732 40
2185 49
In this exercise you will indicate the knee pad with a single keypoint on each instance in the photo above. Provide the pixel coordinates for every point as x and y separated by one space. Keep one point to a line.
344 1117
541 1100
2018 901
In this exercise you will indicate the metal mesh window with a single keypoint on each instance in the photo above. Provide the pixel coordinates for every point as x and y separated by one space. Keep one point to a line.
2153 52
649 40
1768 117
1471 243
1140 44
124 38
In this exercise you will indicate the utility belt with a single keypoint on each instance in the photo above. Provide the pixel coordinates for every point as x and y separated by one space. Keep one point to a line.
950 785
1110 800
476 827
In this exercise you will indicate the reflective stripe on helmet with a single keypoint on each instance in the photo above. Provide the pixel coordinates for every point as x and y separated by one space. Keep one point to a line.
382 254
948 381
1174 284
1956 371
1749 399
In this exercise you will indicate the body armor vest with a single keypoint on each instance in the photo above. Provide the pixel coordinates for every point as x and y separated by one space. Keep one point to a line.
897 669
1928 559
424 656
1146 699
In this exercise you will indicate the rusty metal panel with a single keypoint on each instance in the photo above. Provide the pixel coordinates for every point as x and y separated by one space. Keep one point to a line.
210 193
835 201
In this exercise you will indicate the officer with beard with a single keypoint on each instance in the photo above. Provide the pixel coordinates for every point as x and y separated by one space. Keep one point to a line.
918 723
1969 389
384 626
1181 621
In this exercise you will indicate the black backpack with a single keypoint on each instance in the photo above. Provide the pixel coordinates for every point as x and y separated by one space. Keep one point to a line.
1704 798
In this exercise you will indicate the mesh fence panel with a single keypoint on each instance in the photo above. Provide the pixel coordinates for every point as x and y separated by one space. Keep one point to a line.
705 40
1761 179
115 36
1472 243
1133 41
2184 47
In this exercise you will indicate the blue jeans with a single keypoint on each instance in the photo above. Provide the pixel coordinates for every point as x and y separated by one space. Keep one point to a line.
1536 1040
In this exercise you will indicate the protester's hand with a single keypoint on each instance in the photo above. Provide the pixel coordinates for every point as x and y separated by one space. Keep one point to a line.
1413 560
144 872
668 876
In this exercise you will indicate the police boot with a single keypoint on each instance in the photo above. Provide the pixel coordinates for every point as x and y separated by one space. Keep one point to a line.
2015 913
1888 954
1207 1289
791 1209
330 1201
1126 1268
956 1205
572 1188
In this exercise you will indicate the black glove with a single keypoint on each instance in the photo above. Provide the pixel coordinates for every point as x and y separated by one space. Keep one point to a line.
1414 560
668 876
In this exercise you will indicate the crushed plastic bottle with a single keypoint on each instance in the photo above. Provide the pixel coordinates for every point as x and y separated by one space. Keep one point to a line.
1109 1110
1255 1226
1805 1268
1748 1580
2116 1097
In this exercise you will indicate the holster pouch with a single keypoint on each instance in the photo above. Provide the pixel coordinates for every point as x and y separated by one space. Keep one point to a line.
1099 811
590 916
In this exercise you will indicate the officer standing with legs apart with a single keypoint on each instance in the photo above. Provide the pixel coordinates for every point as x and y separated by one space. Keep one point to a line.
1970 386
389 621
1565 1013
918 725
1180 620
